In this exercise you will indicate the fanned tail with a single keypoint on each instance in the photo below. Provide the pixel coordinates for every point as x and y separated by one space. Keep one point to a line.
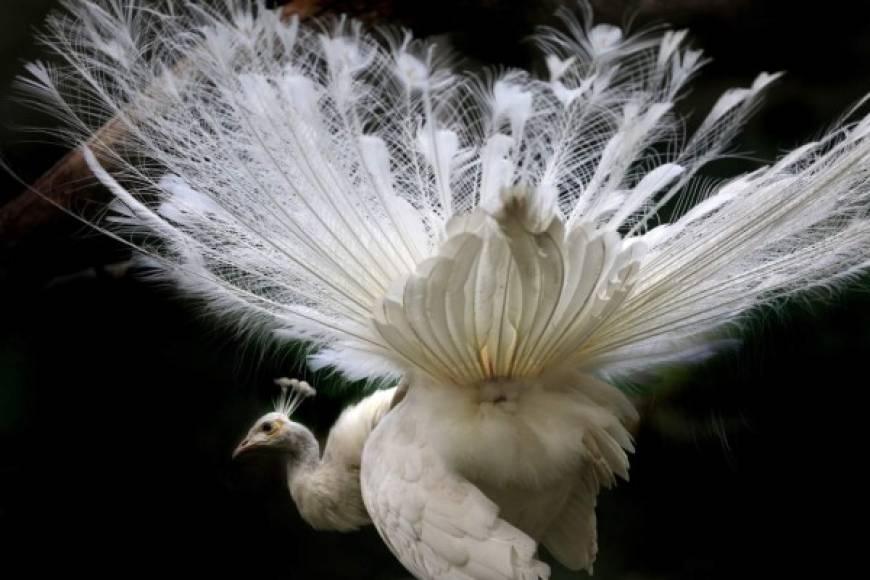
801 224
358 194
251 165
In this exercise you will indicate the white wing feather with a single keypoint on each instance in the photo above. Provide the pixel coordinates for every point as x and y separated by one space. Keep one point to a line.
439 525
573 537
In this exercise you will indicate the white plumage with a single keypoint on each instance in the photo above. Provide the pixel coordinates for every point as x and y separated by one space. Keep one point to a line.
325 488
499 242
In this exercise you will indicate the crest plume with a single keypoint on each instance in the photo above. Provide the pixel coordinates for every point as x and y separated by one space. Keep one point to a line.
293 393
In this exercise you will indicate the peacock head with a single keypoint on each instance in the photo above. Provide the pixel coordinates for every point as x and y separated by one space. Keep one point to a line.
275 431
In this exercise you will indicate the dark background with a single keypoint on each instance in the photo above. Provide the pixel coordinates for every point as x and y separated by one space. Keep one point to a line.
120 404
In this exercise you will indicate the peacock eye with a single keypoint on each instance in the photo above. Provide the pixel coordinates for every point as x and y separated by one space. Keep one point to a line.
266 427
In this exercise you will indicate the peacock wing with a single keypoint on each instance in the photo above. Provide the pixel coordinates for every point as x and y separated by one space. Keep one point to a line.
572 537
438 524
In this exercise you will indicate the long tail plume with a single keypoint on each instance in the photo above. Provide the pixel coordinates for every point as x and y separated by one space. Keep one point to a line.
355 192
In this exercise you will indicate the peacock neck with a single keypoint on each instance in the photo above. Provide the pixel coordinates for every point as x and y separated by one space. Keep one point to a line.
304 459
326 494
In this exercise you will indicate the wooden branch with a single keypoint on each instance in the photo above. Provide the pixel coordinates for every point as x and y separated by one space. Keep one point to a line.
61 184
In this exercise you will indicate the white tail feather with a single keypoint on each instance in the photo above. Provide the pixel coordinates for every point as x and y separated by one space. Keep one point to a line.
368 199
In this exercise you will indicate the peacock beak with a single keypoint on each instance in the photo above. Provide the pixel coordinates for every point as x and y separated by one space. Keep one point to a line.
242 447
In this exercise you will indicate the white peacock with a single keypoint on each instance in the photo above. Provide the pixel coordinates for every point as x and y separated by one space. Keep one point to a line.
498 242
